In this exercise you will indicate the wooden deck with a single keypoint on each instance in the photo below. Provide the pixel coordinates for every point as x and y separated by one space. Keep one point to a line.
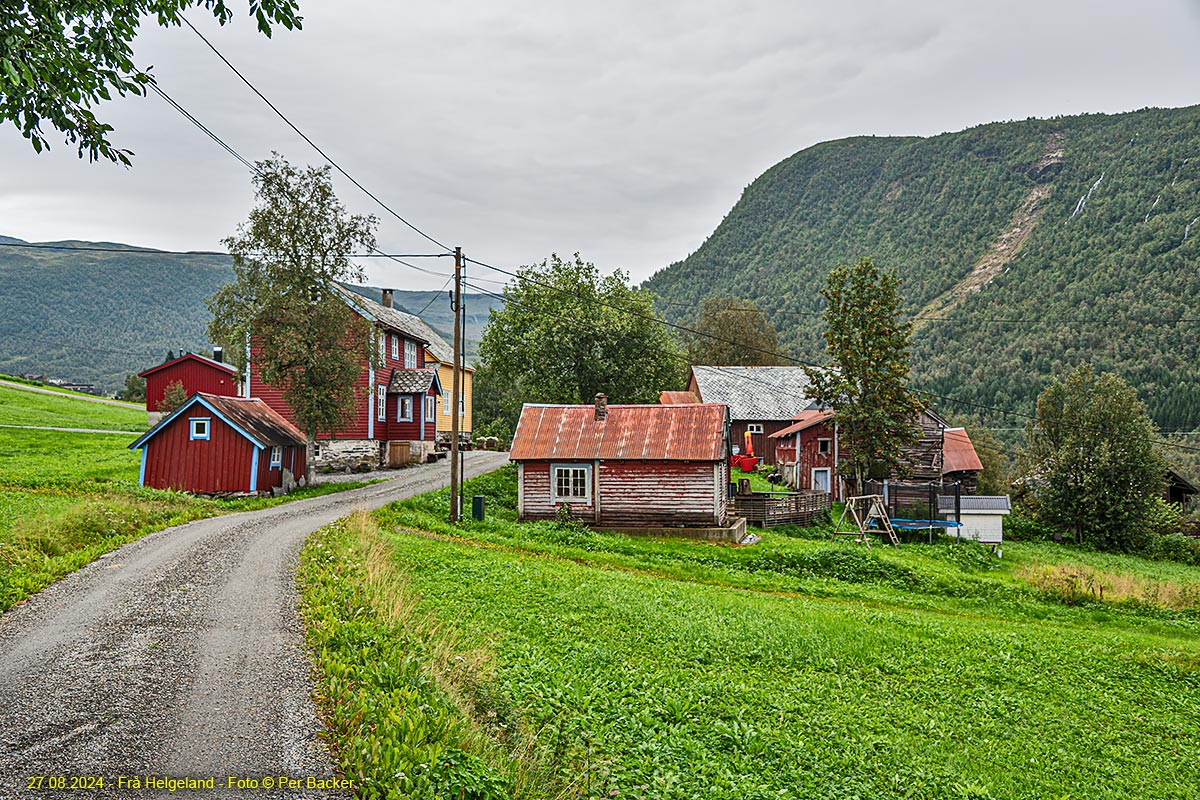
770 509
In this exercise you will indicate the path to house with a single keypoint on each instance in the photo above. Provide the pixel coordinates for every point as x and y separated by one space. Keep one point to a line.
69 430
179 655
104 400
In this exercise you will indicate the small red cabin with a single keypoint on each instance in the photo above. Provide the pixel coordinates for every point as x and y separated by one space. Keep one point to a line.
624 466
214 444
196 373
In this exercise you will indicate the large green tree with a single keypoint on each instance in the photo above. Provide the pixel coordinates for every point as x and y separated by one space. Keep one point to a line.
866 383
732 332
58 60
287 259
1091 461
567 332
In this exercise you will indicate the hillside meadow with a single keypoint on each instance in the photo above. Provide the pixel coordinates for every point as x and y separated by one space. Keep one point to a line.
68 498
544 660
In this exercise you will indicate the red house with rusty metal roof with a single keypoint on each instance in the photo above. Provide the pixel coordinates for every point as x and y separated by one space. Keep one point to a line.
213 445
195 373
624 466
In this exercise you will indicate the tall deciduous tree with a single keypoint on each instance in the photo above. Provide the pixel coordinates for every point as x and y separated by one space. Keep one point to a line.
286 259
1091 460
732 332
866 383
567 332
58 60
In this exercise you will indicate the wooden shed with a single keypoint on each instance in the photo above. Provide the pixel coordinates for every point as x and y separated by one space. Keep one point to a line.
213 444
625 466
195 373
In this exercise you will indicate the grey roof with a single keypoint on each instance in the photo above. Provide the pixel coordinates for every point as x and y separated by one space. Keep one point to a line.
755 393
976 502
402 321
411 381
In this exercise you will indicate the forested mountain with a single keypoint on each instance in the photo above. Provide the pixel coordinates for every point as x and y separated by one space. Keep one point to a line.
97 311
1025 248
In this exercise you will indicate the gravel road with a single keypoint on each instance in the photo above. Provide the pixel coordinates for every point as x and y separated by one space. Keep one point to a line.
27 388
178 656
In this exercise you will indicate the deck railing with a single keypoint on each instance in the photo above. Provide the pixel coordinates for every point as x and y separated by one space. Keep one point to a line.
769 509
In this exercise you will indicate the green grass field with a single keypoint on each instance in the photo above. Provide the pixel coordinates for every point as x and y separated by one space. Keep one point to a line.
19 407
552 661
68 498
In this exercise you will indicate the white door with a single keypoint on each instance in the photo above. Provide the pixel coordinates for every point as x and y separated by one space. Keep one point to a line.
820 479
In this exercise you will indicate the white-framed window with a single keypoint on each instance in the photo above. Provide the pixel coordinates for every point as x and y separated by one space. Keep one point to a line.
395 345
200 427
445 402
381 401
410 354
382 349
823 446
430 403
754 427
316 450
404 408
571 483
276 456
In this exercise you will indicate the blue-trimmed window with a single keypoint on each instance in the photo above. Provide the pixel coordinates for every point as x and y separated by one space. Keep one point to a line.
381 402
200 428
276 456
395 345
404 408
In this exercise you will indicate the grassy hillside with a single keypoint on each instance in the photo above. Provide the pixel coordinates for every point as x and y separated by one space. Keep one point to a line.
1025 248
78 314
545 660
21 407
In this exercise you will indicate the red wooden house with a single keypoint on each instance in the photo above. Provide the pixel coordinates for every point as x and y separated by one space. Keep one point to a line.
624 466
213 444
195 373
808 447
397 393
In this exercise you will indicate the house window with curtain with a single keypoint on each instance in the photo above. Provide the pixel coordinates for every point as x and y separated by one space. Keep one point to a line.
410 354
404 408
430 402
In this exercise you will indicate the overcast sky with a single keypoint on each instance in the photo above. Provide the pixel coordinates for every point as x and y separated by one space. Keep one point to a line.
623 130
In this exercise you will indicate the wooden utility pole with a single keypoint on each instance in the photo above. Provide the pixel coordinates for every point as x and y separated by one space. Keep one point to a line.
456 383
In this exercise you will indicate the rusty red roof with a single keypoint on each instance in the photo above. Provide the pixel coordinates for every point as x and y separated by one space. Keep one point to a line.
694 432
250 417
805 419
958 454
677 398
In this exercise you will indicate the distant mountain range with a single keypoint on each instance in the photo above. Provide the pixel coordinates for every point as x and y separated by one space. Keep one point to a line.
1025 248
96 311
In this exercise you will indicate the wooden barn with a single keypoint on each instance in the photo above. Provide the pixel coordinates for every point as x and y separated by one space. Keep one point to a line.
625 466
214 444
807 451
960 462
195 373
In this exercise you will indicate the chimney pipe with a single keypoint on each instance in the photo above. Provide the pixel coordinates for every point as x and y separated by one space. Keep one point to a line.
388 294
601 408
218 354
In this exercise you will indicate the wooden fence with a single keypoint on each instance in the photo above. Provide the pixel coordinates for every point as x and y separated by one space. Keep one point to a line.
769 509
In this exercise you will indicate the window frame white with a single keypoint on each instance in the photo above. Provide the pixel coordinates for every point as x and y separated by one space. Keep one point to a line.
585 498
430 408
410 354
824 447
276 456
445 402
192 433
403 401
395 346
754 427
381 401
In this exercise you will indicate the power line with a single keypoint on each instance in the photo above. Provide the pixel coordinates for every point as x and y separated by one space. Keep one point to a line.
310 142
154 251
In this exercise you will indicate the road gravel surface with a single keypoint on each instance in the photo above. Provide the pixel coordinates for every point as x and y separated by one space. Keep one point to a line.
179 656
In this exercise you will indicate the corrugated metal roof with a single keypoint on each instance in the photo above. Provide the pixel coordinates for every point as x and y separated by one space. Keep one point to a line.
958 454
805 419
256 418
676 398
975 502
190 357
411 381
755 393
637 433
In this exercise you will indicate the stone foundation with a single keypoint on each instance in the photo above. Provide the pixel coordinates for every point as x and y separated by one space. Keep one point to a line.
341 454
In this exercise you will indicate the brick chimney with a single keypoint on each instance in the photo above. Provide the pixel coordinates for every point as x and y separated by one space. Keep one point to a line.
388 294
601 408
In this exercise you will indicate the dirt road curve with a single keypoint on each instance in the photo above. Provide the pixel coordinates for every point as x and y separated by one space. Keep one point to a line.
179 655
27 388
